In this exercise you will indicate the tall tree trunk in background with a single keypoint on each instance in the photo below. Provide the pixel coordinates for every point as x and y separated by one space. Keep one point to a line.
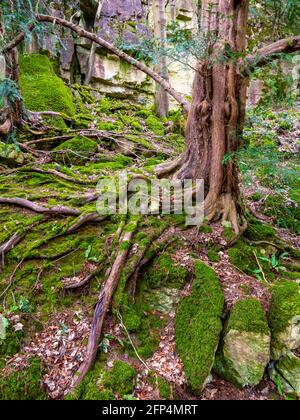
216 119
173 9
10 113
160 33
91 61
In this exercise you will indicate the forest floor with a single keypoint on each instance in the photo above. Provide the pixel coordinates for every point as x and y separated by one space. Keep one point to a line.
53 250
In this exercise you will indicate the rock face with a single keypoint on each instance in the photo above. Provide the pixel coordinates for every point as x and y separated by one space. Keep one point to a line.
244 352
128 21
285 318
286 373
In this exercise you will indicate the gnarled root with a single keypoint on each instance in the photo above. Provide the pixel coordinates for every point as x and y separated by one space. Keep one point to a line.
103 306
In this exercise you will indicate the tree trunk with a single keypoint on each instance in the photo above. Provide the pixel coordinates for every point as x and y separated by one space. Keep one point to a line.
160 33
91 61
216 118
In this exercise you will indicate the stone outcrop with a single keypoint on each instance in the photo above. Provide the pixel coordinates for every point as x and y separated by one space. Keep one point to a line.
128 21
286 374
244 352
285 318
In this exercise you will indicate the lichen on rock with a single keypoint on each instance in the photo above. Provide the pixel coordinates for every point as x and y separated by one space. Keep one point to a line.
286 374
284 318
244 352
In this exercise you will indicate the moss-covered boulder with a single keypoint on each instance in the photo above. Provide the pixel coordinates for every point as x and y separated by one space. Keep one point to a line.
244 352
24 384
79 144
76 150
286 374
284 318
42 89
11 154
198 326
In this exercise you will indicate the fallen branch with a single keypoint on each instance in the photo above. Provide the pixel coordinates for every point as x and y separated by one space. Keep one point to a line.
103 306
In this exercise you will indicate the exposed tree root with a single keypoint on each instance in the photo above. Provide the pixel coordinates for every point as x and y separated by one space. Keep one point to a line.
83 220
10 244
59 175
57 210
103 306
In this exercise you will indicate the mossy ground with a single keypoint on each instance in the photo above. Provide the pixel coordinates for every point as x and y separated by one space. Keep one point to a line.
24 384
135 139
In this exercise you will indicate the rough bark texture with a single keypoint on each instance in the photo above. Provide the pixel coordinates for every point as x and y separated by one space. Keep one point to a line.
217 113
160 32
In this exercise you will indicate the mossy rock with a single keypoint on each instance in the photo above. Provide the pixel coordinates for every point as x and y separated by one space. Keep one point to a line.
286 374
76 150
198 326
24 384
284 318
11 154
258 231
165 272
244 351
42 89
79 144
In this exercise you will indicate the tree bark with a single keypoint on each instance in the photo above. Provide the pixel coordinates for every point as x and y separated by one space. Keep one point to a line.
91 61
160 33
216 118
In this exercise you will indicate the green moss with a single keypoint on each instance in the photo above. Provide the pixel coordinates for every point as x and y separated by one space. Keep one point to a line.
42 89
111 126
11 345
248 315
205 229
285 304
161 385
155 125
258 231
120 379
92 388
241 256
198 326
24 384
286 212
164 271
244 350
80 144
213 255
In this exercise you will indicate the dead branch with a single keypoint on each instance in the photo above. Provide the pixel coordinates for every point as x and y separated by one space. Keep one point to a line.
103 306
